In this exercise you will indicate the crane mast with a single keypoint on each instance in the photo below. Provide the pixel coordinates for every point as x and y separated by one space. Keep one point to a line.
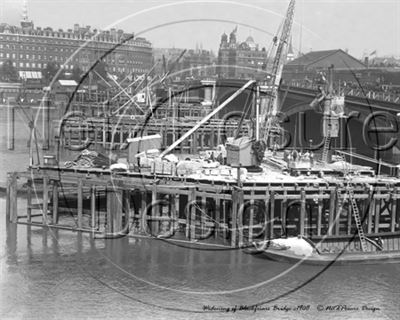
270 114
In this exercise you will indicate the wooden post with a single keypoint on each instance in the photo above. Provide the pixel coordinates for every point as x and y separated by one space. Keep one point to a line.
126 196
175 211
155 210
143 211
110 209
45 199
11 206
93 207
393 210
371 213
272 215
377 213
349 215
337 217
268 221
192 214
10 126
80 202
118 203
8 198
320 211
332 207
302 211
284 213
224 219
29 201
217 208
55 202
240 226
235 201
203 217
251 223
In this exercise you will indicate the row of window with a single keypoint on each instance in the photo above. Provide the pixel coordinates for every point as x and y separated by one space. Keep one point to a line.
42 39
33 65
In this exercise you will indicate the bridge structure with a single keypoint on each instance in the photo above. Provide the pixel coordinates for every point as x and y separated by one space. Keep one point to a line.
369 133
370 128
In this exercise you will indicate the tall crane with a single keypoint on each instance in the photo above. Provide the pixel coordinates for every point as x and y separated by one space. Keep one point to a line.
269 115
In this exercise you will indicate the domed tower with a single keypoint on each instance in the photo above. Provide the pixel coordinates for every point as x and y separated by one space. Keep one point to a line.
250 43
232 37
224 40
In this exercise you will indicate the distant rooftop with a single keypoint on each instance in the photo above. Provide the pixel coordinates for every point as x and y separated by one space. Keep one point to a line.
337 57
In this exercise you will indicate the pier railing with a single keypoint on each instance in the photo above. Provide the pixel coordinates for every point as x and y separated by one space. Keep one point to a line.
202 210
350 91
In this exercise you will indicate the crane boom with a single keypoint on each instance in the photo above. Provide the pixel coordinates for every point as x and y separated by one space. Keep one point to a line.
277 66
283 40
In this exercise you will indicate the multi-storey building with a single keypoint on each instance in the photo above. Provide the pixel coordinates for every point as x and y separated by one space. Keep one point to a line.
196 63
31 49
241 60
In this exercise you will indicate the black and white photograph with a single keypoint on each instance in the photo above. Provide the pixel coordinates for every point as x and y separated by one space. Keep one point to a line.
199 159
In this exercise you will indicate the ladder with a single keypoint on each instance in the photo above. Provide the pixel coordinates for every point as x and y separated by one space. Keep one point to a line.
357 218
326 149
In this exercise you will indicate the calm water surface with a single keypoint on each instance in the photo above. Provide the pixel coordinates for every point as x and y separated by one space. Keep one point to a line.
54 274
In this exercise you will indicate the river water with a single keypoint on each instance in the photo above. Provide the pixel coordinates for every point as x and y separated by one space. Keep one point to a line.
59 274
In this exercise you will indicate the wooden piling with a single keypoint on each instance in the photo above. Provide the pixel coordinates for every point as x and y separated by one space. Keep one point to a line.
267 220
224 218
117 210
143 211
302 211
45 199
126 207
217 210
10 126
235 200
175 210
349 216
240 227
12 203
192 214
377 212
93 207
203 218
251 220
393 210
29 201
332 208
55 202
80 202
272 214
155 210
319 212
371 214
284 210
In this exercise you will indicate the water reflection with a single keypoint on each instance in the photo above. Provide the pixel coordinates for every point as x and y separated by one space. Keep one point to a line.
51 273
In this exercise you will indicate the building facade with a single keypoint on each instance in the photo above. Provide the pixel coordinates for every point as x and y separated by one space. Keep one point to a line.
31 49
243 60
193 63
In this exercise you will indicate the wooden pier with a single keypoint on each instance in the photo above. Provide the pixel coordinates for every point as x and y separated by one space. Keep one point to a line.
231 213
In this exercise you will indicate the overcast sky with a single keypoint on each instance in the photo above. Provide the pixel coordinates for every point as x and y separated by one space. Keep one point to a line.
361 26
